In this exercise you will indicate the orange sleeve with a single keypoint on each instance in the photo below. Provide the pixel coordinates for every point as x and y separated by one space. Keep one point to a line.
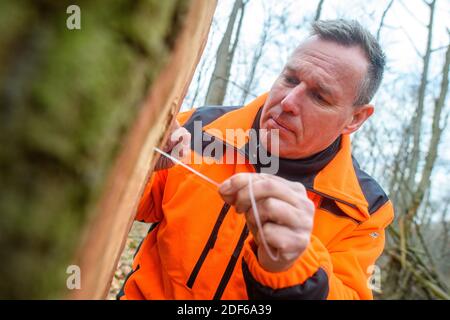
338 272
150 205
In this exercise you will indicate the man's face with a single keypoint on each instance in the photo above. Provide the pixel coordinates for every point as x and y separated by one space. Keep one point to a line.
312 101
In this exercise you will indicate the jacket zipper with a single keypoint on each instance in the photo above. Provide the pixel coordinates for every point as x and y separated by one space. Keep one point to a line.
231 264
324 195
209 245
213 236
237 251
233 260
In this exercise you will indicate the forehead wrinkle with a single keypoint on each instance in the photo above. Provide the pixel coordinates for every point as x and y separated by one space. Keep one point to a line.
330 59
343 70
335 67
322 81
337 72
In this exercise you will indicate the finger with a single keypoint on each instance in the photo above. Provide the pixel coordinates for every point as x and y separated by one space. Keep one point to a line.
175 125
252 227
284 239
237 182
229 188
185 137
276 211
264 188
180 141
176 134
163 163
185 152
184 140
180 135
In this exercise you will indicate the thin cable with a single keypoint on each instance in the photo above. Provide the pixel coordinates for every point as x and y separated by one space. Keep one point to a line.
258 221
187 167
252 200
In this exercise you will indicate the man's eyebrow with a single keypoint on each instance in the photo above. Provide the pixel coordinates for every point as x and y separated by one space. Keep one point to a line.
326 90
322 88
291 68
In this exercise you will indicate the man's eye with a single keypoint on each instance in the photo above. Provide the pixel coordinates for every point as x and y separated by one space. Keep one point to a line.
291 80
319 98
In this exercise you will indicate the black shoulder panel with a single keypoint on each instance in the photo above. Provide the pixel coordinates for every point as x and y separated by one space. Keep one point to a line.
373 192
207 115
331 206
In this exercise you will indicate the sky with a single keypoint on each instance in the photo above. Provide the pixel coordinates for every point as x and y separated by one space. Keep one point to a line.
403 39
405 32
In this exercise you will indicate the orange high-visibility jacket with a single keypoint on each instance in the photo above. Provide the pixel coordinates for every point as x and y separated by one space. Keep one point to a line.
200 248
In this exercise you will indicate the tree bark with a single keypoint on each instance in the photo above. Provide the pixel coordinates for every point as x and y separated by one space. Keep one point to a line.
68 98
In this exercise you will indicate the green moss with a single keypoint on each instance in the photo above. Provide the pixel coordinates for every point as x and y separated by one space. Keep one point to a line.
13 21
68 97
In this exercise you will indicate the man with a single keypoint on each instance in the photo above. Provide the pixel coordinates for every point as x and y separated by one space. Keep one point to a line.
320 213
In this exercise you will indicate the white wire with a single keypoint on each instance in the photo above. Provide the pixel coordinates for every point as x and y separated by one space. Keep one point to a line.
252 200
187 167
258 221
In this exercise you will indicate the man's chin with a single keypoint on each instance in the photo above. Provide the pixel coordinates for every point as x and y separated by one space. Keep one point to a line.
272 144
279 149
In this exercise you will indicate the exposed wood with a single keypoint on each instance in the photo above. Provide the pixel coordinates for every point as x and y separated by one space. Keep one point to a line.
106 235
68 98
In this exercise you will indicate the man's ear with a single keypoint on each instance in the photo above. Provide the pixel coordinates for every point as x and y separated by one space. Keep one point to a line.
360 114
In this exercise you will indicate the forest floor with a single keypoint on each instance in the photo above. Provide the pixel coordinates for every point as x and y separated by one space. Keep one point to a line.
137 233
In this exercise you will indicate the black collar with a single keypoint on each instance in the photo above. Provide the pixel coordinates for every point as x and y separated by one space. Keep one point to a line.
302 170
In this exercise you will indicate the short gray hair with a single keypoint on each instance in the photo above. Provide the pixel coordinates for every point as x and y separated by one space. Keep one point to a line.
351 33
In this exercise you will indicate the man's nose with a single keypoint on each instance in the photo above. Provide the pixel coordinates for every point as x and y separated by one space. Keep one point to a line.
292 101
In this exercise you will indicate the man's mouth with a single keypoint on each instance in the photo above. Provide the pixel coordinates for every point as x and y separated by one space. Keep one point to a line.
279 124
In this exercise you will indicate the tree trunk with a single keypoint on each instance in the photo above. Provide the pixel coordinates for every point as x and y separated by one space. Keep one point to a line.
383 16
258 52
416 123
319 10
219 80
412 272
67 99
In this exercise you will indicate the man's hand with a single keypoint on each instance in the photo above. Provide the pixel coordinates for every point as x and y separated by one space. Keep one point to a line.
286 215
178 145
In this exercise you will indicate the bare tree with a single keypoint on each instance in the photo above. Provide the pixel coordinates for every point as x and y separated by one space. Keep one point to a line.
403 155
319 10
224 57
383 16
408 266
258 52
